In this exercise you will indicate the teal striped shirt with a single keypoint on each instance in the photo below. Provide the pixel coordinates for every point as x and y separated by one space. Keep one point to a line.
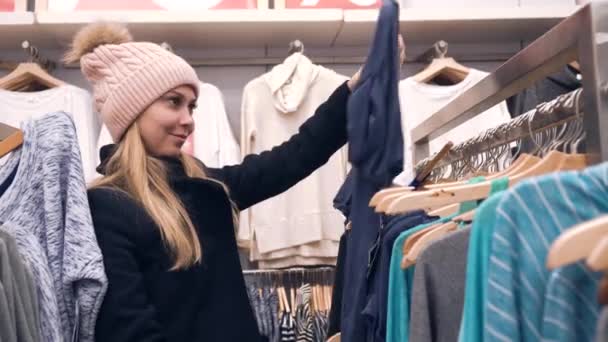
521 290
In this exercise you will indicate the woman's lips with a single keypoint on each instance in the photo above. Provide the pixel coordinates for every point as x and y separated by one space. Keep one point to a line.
180 137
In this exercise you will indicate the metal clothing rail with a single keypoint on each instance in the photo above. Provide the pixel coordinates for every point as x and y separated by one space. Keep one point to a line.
258 61
583 36
562 109
297 270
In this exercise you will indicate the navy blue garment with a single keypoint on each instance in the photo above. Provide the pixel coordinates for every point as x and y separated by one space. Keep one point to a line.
393 229
376 154
374 275
344 197
335 314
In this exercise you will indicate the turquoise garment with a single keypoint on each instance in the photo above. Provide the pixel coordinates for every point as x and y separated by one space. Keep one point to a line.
480 243
562 303
470 205
525 300
401 281
399 288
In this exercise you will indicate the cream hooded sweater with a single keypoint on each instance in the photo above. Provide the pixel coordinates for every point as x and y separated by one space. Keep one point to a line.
291 224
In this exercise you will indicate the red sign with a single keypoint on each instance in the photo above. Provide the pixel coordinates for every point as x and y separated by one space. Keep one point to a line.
169 5
341 4
7 5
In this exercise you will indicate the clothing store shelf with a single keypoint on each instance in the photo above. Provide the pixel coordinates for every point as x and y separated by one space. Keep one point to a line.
457 25
207 29
13 28
276 28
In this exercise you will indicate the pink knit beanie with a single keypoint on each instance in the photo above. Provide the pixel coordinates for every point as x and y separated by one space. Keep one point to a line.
126 76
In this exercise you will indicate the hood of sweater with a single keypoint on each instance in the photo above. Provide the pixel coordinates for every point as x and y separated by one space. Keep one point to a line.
289 82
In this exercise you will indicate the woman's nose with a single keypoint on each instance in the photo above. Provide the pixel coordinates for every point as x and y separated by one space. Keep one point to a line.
187 120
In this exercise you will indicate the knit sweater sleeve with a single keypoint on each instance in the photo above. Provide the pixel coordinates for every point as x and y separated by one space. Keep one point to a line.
262 176
126 313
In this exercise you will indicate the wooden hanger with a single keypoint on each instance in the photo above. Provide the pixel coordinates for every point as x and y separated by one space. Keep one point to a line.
602 294
27 74
598 259
577 242
282 303
448 210
523 162
465 217
319 298
10 139
293 303
426 239
428 168
384 193
554 161
382 201
446 67
575 65
335 338
385 203
329 296
411 240
420 177
286 301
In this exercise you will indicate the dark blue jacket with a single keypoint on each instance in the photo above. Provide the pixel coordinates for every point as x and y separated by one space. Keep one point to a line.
376 153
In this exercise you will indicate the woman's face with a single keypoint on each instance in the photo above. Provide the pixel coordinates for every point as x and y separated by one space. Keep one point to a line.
166 124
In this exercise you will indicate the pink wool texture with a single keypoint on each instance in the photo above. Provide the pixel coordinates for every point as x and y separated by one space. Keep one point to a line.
128 77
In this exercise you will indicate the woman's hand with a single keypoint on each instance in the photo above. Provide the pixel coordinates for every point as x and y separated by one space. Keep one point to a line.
352 83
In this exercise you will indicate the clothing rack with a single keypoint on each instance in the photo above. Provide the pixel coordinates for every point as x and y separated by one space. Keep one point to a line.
291 276
256 61
297 270
578 37
564 108
277 298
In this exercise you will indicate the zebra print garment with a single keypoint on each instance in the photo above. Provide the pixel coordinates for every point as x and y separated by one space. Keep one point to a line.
304 317
288 328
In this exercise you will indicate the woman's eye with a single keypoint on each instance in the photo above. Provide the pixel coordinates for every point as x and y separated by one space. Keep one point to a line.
192 107
175 101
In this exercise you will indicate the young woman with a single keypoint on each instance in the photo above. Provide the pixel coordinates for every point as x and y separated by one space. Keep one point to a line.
164 222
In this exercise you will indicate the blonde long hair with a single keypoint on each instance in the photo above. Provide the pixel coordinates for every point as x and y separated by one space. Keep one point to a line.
145 179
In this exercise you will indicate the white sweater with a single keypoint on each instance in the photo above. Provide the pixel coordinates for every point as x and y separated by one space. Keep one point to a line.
273 108
420 100
18 107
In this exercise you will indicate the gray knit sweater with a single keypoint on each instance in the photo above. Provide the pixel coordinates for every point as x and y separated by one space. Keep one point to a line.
45 209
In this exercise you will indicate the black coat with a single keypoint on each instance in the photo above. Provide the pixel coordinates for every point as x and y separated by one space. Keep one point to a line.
207 302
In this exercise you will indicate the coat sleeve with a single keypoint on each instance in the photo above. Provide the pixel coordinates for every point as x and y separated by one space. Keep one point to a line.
262 176
126 314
